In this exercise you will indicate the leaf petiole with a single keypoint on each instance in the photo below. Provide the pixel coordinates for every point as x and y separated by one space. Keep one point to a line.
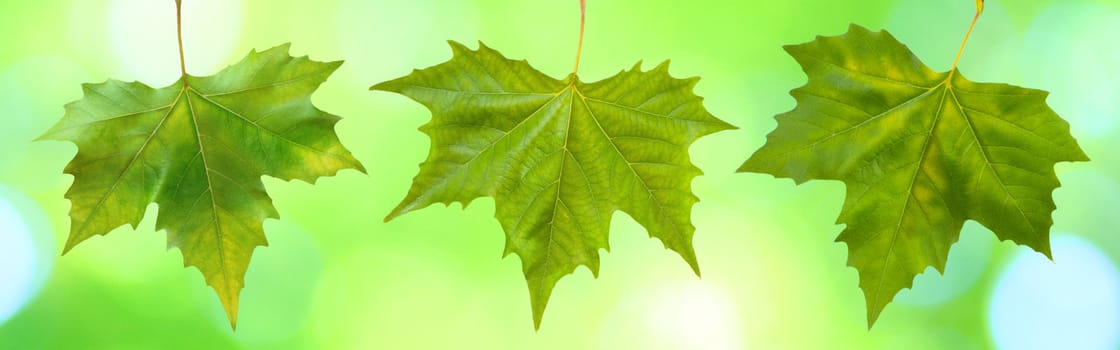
582 21
179 31
979 10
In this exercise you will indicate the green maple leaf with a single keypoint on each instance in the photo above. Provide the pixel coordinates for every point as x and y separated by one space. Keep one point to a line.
920 152
558 156
198 148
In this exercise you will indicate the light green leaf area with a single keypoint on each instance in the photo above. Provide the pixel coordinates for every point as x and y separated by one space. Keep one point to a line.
199 150
558 156
920 152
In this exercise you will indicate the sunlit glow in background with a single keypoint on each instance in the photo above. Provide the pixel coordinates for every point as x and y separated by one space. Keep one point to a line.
689 315
772 279
369 32
1080 71
17 111
1070 303
142 35
17 261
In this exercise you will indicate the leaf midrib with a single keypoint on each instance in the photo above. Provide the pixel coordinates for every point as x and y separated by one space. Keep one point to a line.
629 165
948 85
870 119
909 197
584 100
988 163
219 242
117 181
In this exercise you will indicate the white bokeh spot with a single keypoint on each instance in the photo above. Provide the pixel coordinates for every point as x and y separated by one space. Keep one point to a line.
17 261
370 32
24 263
1072 302
690 315
17 120
142 36
1066 52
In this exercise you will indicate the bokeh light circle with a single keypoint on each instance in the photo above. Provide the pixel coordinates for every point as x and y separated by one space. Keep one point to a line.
995 41
31 104
26 249
17 261
1066 52
687 315
1070 303
368 33
142 36
17 122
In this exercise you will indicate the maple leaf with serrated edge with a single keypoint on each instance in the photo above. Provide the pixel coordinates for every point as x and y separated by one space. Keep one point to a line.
558 156
920 152
198 149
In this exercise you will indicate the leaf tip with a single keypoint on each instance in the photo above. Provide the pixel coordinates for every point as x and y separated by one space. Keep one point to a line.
743 168
637 66
46 136
458 48
790 48
1046 251
357 165
540 290
853 27
695 267
538 315
71 242
689 256
872 316
230 304
387 86
66 249
724 125
751 165
398 211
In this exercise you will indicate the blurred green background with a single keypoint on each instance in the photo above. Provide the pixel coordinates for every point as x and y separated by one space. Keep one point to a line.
335 277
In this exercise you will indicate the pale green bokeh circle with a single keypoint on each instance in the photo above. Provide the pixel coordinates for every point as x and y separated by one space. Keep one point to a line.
31 95
27 250
386 38
1069 50
143 38
688 315
994 44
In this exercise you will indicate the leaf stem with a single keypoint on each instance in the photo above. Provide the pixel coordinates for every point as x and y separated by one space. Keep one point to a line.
582 21
179 31
979 10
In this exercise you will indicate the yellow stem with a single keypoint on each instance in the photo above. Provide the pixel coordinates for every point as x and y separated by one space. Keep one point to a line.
582 21
179 30
979 10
